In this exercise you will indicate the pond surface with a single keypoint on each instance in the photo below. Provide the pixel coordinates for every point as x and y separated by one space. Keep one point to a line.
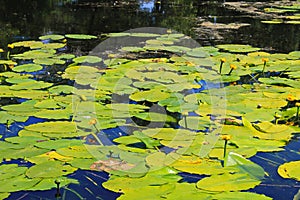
204 21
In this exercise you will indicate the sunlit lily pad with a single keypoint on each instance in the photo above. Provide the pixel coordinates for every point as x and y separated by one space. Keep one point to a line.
50 127
11 170
290 170
227 182
18 183
241 195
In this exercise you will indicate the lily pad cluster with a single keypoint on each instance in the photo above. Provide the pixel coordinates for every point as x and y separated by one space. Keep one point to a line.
176 102
288 14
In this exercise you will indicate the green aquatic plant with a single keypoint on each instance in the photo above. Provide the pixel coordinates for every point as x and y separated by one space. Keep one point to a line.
127 90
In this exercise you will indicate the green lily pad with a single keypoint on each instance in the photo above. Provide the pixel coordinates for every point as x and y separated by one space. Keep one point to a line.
241 195
150 95
6 117
18 184
52 37
54 114
49 61
11 170
237 48
76 152
246 166
80 36
4 195
33 85
51 127
27 68
187 191
50 169
290 170
87 59
49 183
227 182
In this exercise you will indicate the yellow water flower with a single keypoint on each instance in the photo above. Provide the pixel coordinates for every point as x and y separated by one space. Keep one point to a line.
93 121
297 104
265 60
1 50
11 46
226 137
290 97
232 67
223 60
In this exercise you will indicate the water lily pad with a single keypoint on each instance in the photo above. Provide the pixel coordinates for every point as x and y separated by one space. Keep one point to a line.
52 37
11 170
237 48
124 184
50 169
246 166
80 36
27 68
87 59
187 191
30 44
33 85
75 151
51 127
22 153
6 117
198 53
193 164
49 183
227 182
290 170
240 195
4 195
35 54
54 114
18 184
150 95
280 81
49 61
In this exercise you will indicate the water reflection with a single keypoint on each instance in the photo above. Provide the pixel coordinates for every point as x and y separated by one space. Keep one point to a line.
147 5
29 19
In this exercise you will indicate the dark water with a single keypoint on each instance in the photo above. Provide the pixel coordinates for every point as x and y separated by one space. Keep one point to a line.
24 19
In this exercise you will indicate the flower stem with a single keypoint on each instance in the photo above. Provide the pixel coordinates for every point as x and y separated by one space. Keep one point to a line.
225 147
221 67
263 71
297 114
230 71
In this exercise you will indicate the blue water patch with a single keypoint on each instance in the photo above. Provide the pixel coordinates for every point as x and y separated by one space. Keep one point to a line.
146 5
13 129
274 185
